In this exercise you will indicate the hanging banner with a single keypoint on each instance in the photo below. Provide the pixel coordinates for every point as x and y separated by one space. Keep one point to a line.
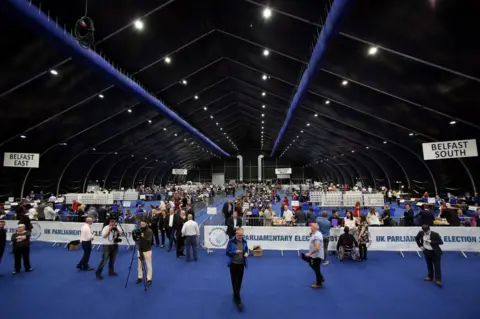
449 149
283 176
23 160
283 171
382 238
65 232
179 171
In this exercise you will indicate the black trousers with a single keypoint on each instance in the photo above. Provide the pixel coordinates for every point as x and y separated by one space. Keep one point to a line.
236 275
433 265
162 231
362 248
2 250
109 254
180 243
87 249
20 254
315 265
155 238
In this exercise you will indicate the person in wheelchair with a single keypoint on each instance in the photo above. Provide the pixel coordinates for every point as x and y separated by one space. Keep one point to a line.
347 245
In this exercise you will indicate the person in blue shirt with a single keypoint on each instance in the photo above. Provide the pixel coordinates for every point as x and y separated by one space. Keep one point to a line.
324 226
315 254
237 261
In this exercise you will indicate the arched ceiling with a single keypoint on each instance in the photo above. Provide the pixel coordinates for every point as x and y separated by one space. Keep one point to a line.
396 75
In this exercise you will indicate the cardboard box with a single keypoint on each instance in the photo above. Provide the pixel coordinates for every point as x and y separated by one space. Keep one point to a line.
257 252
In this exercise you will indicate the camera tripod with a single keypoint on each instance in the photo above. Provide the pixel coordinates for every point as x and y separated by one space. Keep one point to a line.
140 257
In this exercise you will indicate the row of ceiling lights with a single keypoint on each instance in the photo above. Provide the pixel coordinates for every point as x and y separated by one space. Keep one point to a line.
267 13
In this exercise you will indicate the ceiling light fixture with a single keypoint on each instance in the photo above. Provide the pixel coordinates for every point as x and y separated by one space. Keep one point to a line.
453 122
184 82
327 102
263 93
168 60
263 115
211 116
411 134
344 82
138 24
266 52
23 136
94 149
267 13
316 115
101 96
150 121
384 142
129 111
372 51
53 72
196 97
205 108
264 77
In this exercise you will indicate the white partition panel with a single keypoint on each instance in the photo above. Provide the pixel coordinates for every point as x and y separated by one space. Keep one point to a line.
351 198
376 200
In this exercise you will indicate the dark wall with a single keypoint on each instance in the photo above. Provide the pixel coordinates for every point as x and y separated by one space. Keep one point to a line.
250 169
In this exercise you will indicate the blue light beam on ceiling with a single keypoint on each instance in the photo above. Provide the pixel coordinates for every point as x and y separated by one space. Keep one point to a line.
329 29
43 25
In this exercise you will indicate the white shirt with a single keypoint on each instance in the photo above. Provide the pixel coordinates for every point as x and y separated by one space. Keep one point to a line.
52 199
86 233
190 228
31 213
374 220
234 223
49 213
426 242
351 223
288 215
109 239
170 221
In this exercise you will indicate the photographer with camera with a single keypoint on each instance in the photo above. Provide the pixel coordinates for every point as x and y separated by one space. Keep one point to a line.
111 236
143 237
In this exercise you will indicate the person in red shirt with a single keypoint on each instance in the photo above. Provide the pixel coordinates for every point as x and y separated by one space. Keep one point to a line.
356 212
285 201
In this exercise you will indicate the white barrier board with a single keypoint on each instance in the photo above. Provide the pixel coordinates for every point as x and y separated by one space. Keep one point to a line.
60 232
383 238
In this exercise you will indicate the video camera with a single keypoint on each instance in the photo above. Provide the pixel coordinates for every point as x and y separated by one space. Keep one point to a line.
137 234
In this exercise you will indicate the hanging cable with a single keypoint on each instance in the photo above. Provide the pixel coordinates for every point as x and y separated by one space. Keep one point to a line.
84 30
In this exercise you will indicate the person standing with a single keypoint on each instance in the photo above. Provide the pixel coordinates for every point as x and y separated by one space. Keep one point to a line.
171 224
145 253
227 210
237 261
191 231
315 254
86 238
430 241
363 237
110 249
21 249
324 226
233 224
178 234
3 239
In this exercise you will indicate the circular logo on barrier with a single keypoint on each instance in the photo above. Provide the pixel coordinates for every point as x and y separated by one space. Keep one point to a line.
218 237
36 231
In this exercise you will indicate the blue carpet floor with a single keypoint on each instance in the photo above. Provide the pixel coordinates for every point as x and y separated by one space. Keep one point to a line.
274 286
384 286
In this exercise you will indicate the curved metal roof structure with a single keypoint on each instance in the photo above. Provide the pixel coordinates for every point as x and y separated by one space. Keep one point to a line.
180 83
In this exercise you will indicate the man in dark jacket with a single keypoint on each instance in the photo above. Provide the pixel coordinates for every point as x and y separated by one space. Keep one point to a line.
408 216
21 249
227 210
3 238
233 224
426 216
430 241
145 253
